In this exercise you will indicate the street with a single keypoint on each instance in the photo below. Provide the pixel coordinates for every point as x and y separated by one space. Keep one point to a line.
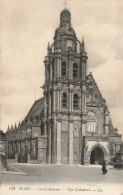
37 173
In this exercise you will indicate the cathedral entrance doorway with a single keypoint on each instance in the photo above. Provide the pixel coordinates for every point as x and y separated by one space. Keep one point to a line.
97 156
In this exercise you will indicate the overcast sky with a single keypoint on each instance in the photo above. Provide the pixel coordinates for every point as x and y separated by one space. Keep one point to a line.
28 26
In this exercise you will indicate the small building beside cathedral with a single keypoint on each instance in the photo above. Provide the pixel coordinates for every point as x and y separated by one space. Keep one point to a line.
71 124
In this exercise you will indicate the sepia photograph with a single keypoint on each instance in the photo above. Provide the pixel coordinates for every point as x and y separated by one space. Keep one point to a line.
61 97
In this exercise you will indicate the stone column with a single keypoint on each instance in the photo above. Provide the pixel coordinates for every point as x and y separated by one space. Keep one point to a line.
58 96
49 101
45 128
54 100
83 126
41 150
83 123
83 103
58 62
16 157
54 142
58 71
58 142
70 61
83 108
83 65
47 76
45 104
72 101
55 68
60 67
60 100
28 158
45 73
106 123
50 71
49 142
70 142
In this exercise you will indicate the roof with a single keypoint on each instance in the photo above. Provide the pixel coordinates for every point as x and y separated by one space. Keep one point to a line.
65 11
93 90
112 133
36 108
65 30
2 136
94 104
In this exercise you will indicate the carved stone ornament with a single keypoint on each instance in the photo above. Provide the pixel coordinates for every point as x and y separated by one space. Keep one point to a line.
76 133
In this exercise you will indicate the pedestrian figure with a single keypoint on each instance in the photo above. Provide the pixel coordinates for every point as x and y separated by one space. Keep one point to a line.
104 165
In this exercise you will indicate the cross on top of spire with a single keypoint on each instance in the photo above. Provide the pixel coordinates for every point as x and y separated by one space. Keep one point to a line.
65 3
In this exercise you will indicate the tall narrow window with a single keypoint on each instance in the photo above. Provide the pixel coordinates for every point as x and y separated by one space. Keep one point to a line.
63 68
34 148
91 122
64 100
95 95
75 70
42 129
49 71
52 70
75 101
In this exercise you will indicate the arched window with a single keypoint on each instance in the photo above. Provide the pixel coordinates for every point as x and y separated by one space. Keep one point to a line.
42 129
75 101
75 70
95 95
63 71
34 148
91 122
49 71
52 70
64 100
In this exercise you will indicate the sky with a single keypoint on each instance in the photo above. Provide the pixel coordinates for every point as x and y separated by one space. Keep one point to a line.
26 28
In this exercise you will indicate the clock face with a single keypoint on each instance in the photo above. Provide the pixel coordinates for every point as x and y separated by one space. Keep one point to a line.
76 134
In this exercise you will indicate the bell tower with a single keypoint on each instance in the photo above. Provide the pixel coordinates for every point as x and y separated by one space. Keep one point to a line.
65 95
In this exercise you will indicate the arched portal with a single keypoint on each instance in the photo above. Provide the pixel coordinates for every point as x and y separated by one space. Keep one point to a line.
97 156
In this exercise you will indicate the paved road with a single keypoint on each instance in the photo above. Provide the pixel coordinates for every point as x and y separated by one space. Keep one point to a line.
36 173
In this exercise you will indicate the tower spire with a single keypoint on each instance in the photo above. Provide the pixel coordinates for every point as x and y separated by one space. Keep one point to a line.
19 124
8 128
83 45
48 48
15 127
11 127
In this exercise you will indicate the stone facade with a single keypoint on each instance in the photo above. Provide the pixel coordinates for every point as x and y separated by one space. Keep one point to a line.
3 160
71 124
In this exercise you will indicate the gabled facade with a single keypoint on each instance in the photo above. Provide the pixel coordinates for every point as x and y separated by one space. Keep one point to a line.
71 124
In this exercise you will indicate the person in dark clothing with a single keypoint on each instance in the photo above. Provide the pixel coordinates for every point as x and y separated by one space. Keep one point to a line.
104 165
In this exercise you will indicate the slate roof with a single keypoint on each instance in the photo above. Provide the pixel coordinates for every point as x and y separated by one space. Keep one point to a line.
93 103
2 136
92 86
36 108
112 133
92 78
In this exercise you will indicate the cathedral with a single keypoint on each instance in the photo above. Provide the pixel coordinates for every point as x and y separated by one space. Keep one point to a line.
71 123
